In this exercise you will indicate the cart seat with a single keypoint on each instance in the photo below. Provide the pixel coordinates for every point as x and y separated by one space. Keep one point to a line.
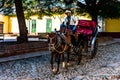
85 27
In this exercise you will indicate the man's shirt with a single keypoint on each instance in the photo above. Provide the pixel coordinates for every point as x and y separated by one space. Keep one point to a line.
69 21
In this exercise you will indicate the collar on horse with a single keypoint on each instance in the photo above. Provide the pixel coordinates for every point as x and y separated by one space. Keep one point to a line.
52 45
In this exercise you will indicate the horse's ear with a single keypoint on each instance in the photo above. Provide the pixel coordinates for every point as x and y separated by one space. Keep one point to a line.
48 34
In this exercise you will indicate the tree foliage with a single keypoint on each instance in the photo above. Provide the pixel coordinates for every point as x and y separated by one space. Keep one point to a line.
104 8
39 7
7 7
10 7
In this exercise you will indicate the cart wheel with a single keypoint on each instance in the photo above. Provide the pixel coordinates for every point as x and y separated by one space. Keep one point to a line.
95 48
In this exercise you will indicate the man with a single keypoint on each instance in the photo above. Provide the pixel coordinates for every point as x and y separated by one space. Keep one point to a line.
68 26
69 22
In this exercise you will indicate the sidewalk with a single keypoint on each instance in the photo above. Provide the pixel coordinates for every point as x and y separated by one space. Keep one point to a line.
14 38
24 56
107 40
105 66
102 42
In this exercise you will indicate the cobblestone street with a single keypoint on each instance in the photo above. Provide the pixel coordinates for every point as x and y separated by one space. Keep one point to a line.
105 66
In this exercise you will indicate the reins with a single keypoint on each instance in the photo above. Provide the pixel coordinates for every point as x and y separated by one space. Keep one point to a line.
52 46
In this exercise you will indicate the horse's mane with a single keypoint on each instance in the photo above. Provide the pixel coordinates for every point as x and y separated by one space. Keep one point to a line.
58 42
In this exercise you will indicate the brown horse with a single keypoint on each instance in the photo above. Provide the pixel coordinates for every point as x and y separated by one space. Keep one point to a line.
58 45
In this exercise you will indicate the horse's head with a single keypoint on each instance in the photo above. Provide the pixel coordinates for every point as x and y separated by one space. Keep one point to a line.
52 40
59 41
51 37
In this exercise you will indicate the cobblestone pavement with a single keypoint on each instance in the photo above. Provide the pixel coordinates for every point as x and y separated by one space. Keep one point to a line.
105 66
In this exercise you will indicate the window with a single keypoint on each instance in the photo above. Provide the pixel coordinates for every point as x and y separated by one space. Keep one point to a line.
1 27
49 25
33 26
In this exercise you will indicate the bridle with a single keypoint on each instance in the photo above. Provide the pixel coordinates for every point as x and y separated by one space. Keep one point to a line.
53 46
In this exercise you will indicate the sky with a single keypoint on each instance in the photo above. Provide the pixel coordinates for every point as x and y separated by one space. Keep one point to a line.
82 1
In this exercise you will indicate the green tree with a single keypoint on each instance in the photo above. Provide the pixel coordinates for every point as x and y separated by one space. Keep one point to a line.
21 21
10 7
32 7
103 8
6 7
26 8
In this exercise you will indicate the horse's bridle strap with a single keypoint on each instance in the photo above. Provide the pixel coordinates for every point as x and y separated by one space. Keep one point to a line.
52 47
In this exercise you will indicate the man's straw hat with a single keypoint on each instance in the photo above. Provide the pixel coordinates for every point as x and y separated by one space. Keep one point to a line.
67 11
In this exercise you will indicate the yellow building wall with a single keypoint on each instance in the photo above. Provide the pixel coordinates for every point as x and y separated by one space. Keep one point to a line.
112 25
9 25
5 19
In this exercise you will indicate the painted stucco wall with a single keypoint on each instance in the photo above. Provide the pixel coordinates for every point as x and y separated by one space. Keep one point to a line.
40 24
11 24
5 19
112 25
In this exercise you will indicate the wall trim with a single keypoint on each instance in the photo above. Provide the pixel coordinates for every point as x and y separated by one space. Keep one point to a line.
110 34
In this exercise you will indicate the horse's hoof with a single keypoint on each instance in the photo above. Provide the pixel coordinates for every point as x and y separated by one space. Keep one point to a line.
63 65
91 57
68 64
55 71
78 63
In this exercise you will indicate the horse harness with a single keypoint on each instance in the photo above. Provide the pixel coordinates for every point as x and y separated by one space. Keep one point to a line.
52 45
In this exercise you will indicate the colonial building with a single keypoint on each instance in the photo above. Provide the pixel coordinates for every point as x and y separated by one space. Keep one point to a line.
34 25
4 24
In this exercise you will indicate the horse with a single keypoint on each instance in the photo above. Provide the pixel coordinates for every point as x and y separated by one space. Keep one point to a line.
59 44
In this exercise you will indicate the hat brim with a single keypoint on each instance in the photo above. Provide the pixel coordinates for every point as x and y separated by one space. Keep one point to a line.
68 12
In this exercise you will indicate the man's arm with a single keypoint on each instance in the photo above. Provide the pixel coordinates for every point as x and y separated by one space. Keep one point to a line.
74 20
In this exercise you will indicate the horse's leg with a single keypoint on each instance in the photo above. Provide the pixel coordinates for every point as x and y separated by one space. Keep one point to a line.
58 62
63 61
79 48
68 58
52 66
79 55
86 43
56 57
